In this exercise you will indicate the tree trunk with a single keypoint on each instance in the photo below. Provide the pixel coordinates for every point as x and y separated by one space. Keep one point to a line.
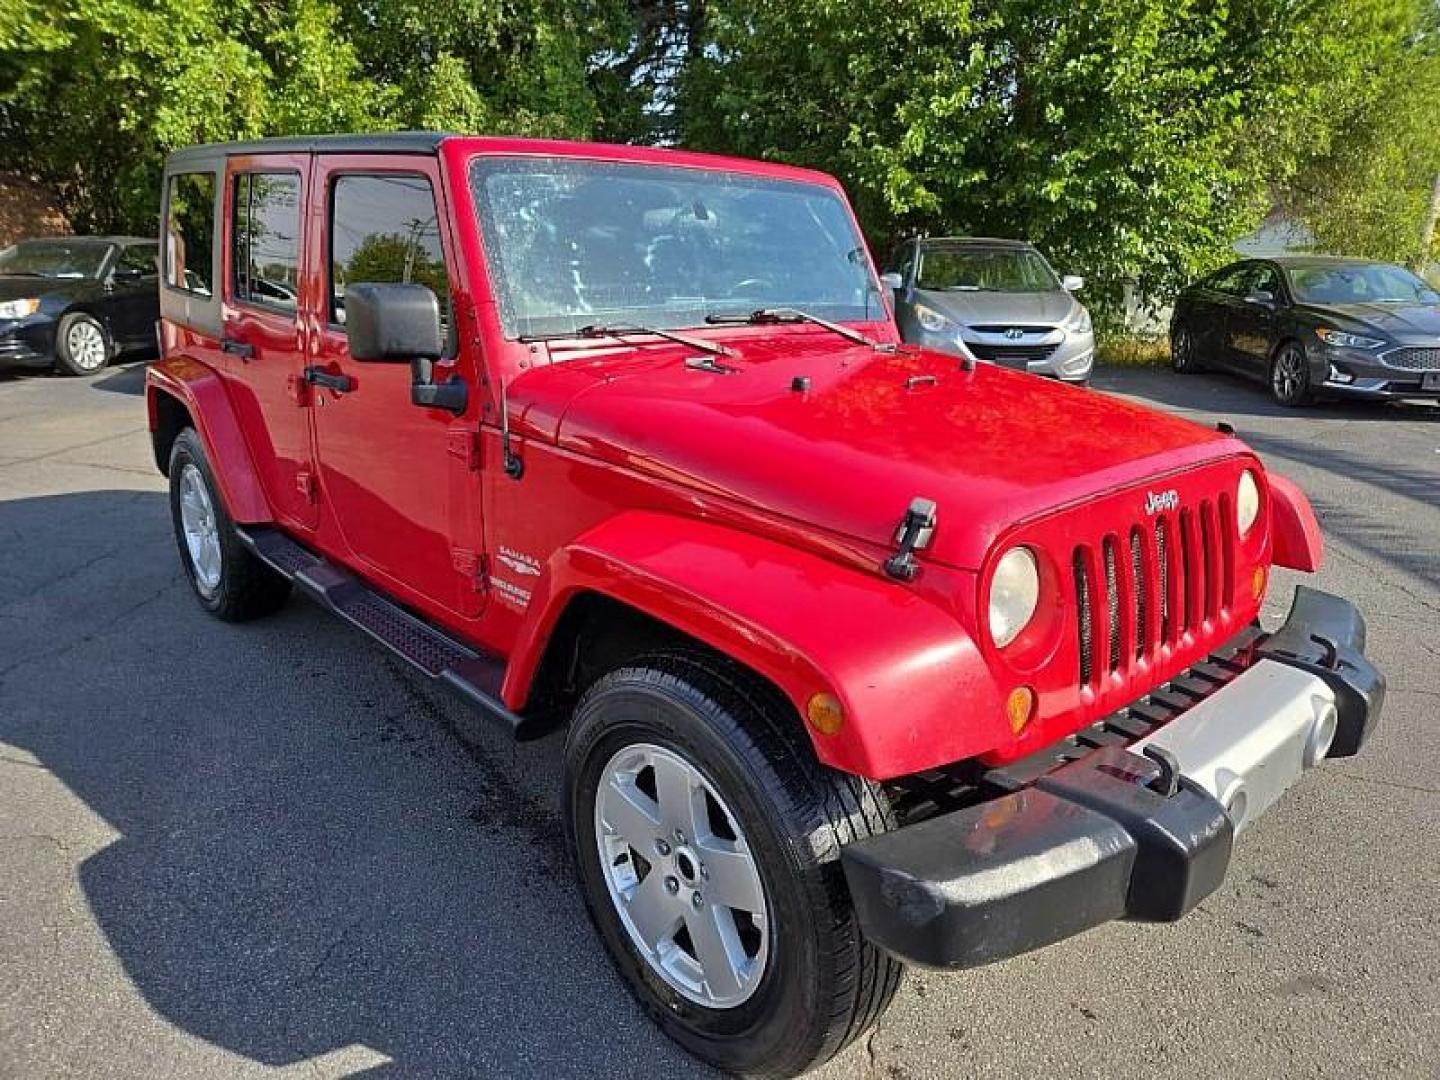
1427 230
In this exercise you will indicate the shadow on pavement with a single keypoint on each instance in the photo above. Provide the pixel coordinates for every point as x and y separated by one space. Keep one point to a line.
126 378
316 851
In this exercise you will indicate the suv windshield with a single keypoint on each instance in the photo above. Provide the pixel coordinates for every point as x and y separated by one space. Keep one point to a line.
577 243
1359 283
985 269
53 259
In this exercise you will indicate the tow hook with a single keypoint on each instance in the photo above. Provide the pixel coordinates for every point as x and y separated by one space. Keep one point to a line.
914 533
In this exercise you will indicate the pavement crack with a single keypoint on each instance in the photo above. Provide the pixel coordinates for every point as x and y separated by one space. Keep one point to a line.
1420 788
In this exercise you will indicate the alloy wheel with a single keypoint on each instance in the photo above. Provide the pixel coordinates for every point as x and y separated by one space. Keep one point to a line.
85 345
202 531
1287 378
681 876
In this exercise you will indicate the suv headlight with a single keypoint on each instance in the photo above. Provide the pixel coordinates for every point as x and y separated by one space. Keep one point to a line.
1347 341
1247 502
1079 323
932 320
1014 595
18 309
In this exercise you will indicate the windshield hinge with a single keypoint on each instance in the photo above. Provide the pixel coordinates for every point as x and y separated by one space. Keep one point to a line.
916 528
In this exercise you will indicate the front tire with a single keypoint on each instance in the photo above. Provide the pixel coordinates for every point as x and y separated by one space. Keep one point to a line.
1290 376
229 581
706 837
82 347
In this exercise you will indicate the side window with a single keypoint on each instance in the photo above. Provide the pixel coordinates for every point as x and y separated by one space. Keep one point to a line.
1231 280
1263 278
190 232
139 259
384 228
265 239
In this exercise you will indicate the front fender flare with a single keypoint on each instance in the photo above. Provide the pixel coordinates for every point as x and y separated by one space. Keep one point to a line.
1296 532
200 390
914 688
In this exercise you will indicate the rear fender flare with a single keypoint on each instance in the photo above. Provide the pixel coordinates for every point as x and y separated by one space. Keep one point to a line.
200 390
1297 541
913 686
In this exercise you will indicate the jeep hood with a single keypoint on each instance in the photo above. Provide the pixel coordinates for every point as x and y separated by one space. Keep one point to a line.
874 430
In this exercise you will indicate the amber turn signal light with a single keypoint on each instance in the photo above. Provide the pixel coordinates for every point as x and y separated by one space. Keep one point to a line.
825 714
1019 707
1257 583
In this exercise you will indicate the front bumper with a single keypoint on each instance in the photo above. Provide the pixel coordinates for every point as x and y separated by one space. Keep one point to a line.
1344 372
1133 819
26 342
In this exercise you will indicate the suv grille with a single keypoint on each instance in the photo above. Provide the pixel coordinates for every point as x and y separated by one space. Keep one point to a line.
1414 359
999 354
1138 590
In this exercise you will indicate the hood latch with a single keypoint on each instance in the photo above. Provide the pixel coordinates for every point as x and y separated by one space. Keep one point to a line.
914 534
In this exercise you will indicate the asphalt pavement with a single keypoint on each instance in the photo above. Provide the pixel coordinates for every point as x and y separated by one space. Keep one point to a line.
269 850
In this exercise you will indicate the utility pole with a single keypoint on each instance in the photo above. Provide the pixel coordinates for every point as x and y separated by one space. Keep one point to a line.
1427 230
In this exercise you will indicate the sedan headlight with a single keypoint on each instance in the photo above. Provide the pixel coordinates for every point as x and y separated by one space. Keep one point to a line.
932 320
18 309
1247 502
1014 595
1347 341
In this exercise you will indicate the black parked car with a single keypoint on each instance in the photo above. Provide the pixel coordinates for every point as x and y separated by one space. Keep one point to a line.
1310 325
77 302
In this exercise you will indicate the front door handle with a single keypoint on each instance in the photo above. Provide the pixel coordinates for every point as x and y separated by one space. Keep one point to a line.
237 348
317 376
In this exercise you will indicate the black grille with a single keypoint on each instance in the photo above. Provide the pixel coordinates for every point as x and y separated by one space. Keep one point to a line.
1082 609
1000 354
1002 327
1414 359
1142 593
1112 602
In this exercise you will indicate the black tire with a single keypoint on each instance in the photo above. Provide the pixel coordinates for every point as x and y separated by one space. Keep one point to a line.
247 588
822 984
1184 357
1290 376
80 361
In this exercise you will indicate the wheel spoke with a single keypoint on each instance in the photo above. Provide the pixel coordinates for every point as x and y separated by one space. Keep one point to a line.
730 877
681 801
631 814
717 947
654 913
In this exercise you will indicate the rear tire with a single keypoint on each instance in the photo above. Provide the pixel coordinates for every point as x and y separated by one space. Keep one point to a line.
82 347
1290 376
809 982
1183 354
230 582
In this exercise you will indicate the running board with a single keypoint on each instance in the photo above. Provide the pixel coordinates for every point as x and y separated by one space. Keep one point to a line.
474 676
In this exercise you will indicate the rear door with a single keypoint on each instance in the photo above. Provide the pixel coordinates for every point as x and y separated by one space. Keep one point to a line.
263 334
1212 316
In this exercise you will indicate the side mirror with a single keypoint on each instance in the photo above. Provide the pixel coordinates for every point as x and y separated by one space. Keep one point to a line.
1072 282
892 280
125 275
1262 298
400 323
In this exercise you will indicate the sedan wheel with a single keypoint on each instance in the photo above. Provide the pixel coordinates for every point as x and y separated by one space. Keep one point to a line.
1182 352
81 347
1290 376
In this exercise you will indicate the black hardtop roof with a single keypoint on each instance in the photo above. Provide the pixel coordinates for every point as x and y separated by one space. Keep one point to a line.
388 142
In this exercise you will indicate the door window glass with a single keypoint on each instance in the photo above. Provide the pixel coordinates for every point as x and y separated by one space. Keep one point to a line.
1231 280
138 259
385 229
1263 278
190 232
265 239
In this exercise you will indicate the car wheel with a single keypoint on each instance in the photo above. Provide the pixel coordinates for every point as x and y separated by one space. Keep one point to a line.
706 837
1290 376
228 580
1184 356
82 347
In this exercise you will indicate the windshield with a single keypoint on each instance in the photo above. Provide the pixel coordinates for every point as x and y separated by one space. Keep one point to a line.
576 243
53 259
985 269
1359 283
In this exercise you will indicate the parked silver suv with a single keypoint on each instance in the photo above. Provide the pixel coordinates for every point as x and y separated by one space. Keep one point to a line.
998 300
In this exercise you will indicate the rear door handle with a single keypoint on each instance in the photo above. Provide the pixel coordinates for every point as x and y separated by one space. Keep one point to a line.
341 384
237 348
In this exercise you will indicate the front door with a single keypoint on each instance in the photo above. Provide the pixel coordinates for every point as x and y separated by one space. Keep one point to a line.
1252 324
400 481
263 336
133 294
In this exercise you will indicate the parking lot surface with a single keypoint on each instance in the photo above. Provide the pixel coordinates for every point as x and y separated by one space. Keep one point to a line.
268 850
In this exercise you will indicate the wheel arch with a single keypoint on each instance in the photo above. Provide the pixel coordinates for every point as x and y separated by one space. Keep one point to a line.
803 624
181 392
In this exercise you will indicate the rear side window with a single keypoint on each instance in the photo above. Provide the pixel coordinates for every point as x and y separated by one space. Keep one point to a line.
384 229
265 239
138 259
190 232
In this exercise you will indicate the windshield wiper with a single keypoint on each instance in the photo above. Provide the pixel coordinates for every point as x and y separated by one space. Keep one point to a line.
774 316
623 330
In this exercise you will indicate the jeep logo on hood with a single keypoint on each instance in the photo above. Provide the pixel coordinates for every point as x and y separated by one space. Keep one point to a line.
1155 501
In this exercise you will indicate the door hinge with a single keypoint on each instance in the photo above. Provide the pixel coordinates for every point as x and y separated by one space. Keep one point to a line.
464 443
471 566
298 389
305 484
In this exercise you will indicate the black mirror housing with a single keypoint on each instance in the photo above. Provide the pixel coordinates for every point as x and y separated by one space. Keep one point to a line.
1263 297
393 323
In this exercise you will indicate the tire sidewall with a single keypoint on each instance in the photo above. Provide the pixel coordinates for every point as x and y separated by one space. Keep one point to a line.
62 343
1303 393
188 451
756 1030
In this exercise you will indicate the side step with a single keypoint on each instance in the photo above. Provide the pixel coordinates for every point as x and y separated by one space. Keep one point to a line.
474 676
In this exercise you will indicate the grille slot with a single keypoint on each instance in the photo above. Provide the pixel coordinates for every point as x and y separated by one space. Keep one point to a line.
1142 592
1082 618
1112 602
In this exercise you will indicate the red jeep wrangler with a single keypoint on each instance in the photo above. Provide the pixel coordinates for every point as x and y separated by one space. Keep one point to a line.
864 654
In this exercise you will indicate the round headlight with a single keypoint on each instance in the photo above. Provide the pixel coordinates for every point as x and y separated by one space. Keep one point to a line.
1247 502
1014 595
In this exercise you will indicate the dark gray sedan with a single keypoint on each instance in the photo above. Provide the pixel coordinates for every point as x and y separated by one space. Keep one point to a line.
996 300
1310 325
